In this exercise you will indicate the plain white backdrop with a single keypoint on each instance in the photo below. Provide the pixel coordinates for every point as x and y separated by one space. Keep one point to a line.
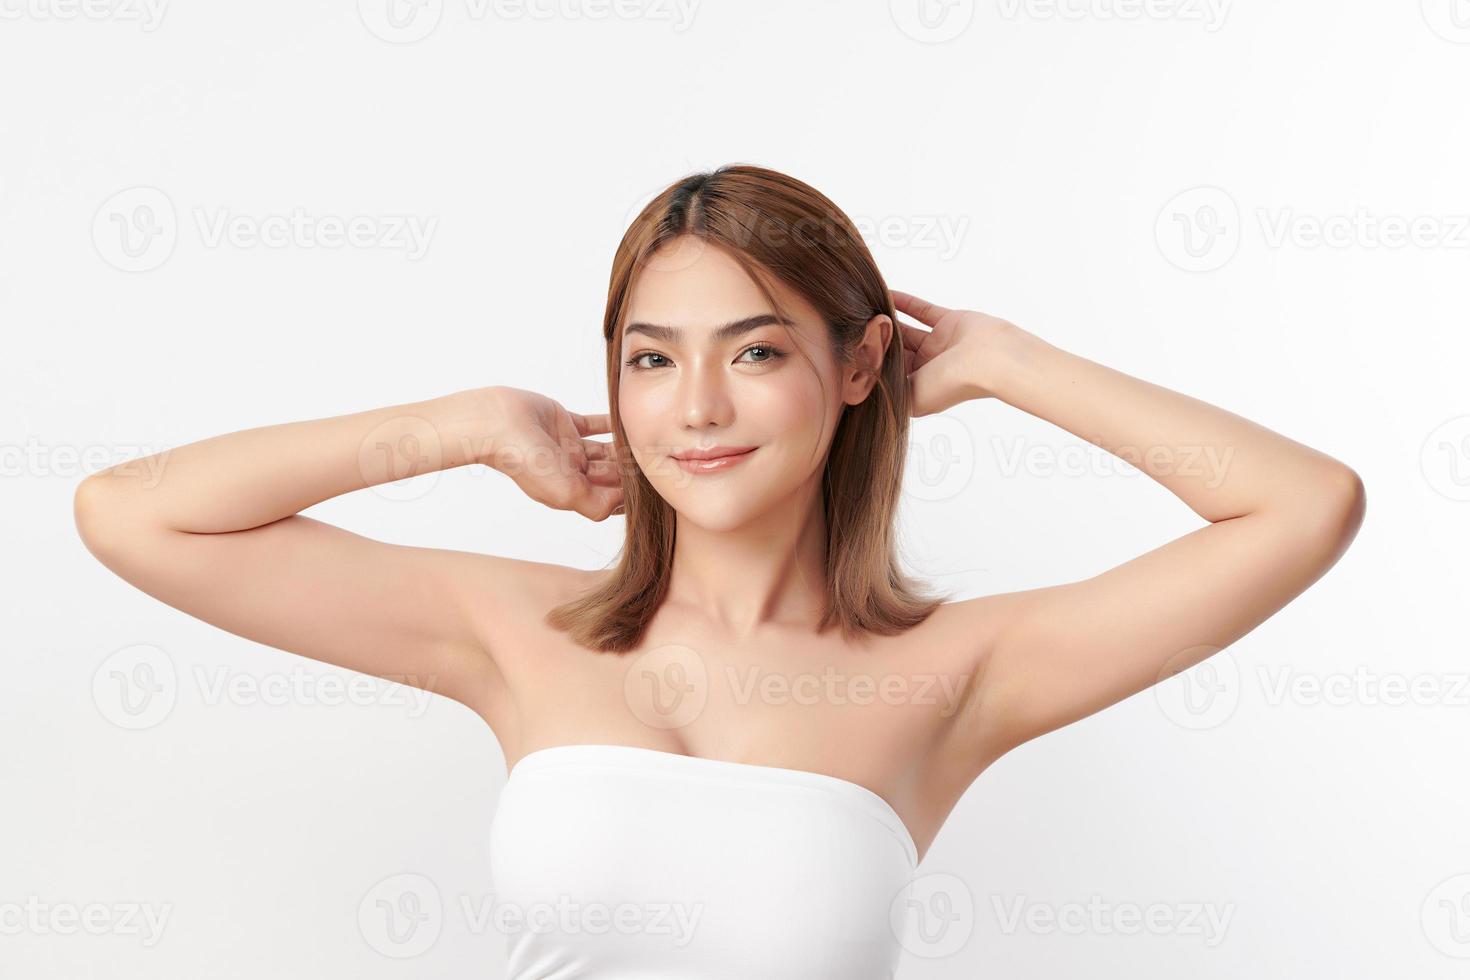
215 217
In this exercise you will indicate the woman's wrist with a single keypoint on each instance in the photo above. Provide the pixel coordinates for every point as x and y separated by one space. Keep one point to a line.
469 424
1005 360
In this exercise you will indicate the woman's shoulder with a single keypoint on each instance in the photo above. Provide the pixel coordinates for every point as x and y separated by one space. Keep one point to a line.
525 581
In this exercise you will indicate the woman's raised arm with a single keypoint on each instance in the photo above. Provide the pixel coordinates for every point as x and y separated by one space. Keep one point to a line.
1280 515
212 528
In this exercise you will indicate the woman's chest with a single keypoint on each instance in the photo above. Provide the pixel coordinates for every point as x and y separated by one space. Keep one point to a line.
871 716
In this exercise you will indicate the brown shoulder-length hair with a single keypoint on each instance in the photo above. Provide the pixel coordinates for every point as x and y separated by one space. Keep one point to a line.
773 225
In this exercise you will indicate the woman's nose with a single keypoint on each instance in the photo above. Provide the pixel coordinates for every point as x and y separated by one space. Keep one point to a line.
704 396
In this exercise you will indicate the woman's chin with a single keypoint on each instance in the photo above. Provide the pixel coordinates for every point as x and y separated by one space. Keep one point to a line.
716 513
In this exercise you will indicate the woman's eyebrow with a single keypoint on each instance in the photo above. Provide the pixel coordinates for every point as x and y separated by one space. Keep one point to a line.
729 331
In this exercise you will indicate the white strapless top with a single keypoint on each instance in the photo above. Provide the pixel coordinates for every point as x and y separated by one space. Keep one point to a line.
616 862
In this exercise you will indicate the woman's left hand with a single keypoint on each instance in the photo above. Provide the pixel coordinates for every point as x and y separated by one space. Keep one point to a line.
946 363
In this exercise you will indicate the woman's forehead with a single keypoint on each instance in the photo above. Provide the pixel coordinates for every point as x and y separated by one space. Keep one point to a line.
708 292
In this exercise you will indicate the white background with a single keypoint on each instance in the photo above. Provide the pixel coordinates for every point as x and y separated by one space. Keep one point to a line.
1117 184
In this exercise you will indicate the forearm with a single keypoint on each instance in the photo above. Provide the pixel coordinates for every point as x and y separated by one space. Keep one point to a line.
256 476
1220 464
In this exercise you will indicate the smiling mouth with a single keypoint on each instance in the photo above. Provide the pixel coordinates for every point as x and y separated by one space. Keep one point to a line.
713 452
708 464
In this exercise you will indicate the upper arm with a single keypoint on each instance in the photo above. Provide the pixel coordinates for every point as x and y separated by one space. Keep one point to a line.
407 614
1058 654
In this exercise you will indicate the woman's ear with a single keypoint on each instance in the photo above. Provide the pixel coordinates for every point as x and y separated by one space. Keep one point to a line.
867 360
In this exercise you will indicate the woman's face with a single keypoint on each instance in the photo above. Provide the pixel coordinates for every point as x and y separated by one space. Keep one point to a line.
688 384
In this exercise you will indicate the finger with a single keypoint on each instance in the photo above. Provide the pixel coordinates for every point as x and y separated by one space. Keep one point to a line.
592 425
920 309
914 337
604 473
616 462
597 450
919 394
600 504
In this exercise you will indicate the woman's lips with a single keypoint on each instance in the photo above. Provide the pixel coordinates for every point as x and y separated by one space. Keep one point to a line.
712 465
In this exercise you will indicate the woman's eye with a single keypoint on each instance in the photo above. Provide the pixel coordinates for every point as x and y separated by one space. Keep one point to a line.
767 352
635 360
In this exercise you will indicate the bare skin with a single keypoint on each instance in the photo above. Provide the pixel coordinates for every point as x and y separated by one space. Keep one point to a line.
213 528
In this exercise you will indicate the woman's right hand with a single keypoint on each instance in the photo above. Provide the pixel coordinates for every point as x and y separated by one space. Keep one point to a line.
544 448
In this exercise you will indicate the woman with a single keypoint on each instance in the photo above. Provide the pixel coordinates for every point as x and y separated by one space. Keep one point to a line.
729 752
